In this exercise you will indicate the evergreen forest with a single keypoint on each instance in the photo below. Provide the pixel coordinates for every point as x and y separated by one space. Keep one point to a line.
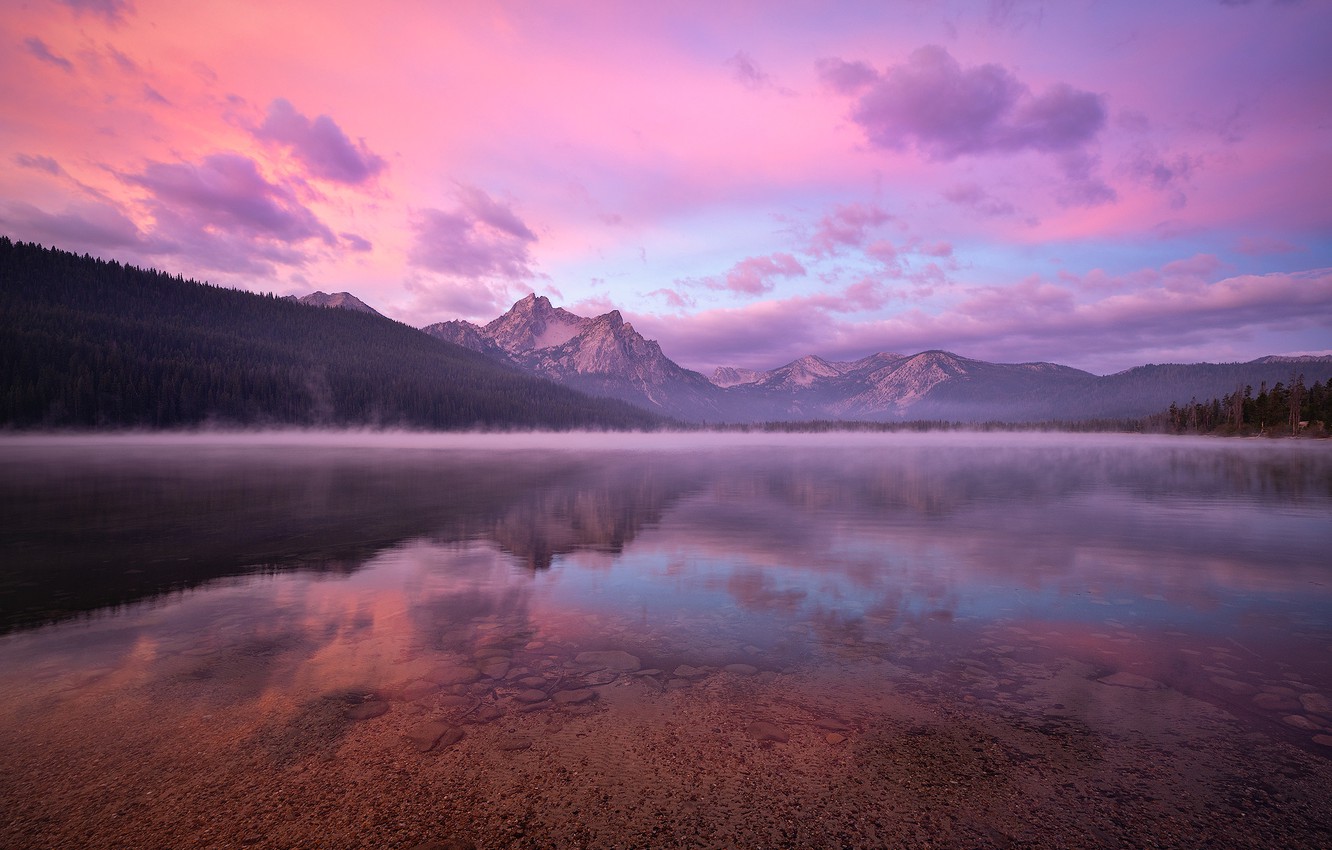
91 344
1285 409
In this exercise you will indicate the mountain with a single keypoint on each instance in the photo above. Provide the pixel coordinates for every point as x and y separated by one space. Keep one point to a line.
86 343
344 300
730 376
940 385
603 356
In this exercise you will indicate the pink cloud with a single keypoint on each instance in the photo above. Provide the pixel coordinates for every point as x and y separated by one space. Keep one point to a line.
479 238
847 226
753 275
320 145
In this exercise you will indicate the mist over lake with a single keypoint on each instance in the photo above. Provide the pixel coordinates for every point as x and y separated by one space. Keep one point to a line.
318 638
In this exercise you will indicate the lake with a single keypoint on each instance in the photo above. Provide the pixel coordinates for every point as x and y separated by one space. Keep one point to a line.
591 640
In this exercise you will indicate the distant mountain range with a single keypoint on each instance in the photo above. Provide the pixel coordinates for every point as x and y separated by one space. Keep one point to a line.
606 356
86 343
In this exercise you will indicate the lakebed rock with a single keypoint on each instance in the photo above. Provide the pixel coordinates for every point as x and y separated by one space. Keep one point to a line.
433 734
1124 679
575 697
613 659
762 730
368 709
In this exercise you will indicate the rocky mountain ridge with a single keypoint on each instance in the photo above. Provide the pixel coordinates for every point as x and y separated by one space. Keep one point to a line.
605 356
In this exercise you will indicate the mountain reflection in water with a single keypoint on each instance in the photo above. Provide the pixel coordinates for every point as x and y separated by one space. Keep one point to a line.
964 568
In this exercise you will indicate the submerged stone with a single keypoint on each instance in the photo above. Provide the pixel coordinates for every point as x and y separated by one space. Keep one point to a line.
1125 679
613 659
762 730
368 709
436 733
575 697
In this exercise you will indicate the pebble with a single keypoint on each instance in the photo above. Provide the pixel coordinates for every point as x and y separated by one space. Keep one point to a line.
834 738
512 743
453 674
368 709
436 733
418 689
1233 685
1299 721
1316 704
1324 740
1124 679
762 730
615 659
831 724
486 714
575 697
529 696
1276 702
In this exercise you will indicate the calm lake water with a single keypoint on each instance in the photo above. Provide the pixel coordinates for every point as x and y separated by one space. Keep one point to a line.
395 634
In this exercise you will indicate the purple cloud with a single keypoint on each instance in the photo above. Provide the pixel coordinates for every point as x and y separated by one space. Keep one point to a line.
1082 188
38 163
38 48
356 243
1033 319
478 238
753 275
746 71
153 95
845 77
1263 246
974 197
847 226
112 11
320 145
91 227
227 192
947 111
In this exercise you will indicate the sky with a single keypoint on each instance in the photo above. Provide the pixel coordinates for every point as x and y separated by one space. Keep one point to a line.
1098 184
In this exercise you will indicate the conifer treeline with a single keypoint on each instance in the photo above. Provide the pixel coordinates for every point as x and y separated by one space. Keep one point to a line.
1284 409
86 343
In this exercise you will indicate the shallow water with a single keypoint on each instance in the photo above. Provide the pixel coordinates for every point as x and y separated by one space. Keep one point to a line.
274 602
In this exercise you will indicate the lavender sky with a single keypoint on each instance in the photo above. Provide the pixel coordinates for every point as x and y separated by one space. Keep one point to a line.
1100 184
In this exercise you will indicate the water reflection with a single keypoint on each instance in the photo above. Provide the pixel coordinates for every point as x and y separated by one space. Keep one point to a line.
1027 577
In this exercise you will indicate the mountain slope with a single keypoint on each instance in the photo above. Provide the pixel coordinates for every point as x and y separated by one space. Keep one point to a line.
88 343
603 356
342 300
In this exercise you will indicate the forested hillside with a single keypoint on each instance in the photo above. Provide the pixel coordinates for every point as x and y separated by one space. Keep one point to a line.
86 343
